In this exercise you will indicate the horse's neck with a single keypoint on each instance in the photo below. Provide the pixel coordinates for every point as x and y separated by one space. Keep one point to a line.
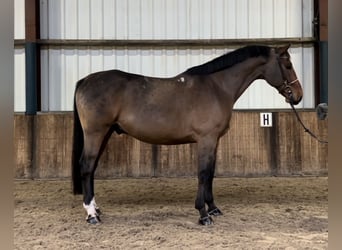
239 77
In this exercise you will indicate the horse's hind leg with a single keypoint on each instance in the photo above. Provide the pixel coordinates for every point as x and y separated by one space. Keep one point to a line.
94 144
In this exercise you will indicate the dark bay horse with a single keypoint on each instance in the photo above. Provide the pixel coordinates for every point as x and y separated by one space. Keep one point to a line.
192 107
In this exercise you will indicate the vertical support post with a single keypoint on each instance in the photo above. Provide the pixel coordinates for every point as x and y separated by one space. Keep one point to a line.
323 45
321 50
31 78
32 54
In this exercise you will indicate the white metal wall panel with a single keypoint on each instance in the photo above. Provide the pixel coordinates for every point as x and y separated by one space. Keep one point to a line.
167 19
19 80
19 19
19 57
63 68
175 19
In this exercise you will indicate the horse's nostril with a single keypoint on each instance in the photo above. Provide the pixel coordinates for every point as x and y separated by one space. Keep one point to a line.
300 98
295 102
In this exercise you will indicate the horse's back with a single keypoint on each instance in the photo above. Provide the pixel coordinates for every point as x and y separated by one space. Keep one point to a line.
109 77
104 85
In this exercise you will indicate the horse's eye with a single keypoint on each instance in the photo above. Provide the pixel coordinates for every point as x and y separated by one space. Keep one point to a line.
288 65
286 62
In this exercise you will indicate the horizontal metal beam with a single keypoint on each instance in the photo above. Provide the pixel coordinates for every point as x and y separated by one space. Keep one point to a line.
166 43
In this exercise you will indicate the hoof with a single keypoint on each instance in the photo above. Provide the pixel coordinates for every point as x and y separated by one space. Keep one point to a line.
93 219
205 221
215 212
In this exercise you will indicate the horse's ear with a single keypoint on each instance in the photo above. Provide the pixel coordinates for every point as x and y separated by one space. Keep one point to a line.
283 49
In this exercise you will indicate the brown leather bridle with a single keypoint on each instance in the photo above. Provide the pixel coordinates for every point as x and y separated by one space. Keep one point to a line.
286 87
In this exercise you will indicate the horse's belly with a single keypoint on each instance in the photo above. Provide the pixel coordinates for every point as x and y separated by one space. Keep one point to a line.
157 133
163 140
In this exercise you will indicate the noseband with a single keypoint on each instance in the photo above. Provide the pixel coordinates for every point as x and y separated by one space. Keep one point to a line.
286 85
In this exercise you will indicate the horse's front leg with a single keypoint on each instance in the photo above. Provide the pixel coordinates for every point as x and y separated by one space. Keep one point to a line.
206 169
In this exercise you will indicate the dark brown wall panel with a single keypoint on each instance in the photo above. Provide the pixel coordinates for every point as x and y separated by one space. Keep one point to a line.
246 150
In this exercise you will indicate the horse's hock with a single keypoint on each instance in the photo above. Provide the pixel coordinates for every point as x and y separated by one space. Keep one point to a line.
43 145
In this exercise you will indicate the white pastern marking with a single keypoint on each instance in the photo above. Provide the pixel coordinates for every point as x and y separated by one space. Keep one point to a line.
91 208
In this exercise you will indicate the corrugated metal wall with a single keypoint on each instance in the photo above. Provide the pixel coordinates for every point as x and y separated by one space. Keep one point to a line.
165 19
19 57
61 68
175 19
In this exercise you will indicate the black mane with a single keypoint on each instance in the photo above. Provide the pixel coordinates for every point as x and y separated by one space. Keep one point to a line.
229 59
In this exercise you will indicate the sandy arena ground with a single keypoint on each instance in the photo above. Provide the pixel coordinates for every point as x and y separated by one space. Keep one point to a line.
158 213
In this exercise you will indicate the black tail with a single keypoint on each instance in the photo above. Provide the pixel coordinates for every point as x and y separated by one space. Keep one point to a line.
77 149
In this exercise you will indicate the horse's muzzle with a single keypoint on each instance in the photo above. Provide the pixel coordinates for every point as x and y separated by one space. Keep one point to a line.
291 99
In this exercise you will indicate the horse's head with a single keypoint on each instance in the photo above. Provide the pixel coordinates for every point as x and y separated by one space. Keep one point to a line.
280 73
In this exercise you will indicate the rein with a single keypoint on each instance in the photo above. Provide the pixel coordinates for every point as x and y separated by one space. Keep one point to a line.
305 128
